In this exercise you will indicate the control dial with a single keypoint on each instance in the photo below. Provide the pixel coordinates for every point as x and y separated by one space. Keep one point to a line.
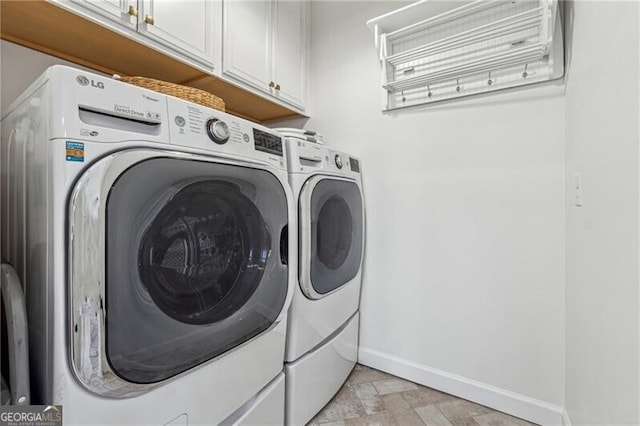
338 161
218 131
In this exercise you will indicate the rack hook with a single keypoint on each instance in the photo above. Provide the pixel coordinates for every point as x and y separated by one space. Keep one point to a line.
458 88
429 94
403 98
490 81
525 73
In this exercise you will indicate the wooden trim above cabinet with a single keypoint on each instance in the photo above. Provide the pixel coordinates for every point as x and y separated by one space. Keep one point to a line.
50 29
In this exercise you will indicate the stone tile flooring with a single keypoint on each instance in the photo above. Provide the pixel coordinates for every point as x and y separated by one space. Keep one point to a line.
371 397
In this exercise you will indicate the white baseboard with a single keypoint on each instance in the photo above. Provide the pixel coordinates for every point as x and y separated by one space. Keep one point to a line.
524 407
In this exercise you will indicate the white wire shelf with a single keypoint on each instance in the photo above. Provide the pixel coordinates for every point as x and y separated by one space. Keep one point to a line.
434 50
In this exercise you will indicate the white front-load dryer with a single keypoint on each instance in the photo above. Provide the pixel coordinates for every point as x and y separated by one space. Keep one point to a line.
150 235
322 335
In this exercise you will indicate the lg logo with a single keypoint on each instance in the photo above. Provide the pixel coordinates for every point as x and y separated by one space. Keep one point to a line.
84 81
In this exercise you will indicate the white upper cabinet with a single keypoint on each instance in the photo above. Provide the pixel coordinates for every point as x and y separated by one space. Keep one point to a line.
259 46
264 46
123 12
289 51
185 26
246 49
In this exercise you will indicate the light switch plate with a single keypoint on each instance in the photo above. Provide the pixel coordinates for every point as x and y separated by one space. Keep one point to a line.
577 188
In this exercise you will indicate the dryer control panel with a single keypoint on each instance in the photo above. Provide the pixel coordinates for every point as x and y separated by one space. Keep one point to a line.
311 157
204 128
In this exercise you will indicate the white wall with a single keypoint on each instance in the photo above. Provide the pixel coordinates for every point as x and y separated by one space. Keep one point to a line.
464 268
19 67
602 236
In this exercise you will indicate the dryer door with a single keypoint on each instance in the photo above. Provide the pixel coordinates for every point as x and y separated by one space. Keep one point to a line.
331 234
175 259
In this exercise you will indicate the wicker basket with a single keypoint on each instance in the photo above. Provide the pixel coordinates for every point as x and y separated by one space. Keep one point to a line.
183 92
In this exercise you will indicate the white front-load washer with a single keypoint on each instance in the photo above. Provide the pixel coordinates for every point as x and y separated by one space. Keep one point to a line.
151 238
322 334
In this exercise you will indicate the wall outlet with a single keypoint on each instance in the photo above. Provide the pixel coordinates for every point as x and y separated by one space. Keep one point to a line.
577 188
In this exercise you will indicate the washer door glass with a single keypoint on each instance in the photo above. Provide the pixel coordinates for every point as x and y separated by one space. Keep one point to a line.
204 254
336 234
193 264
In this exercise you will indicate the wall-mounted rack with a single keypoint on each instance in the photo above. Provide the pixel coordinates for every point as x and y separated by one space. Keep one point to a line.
434 50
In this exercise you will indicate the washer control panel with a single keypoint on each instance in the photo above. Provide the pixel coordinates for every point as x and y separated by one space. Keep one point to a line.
204 128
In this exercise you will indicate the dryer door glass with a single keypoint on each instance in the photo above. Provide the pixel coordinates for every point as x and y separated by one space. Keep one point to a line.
336 234
193 264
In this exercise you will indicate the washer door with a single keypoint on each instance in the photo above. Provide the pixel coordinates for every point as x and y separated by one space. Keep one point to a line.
331 234
189 254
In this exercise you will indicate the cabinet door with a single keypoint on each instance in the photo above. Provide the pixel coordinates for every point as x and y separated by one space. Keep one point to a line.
120 11
246 49
185 26
289 50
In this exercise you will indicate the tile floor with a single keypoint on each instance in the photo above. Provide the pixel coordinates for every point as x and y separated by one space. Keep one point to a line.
371 397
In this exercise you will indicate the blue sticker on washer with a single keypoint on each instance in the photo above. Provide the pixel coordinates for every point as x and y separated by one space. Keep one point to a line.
75 151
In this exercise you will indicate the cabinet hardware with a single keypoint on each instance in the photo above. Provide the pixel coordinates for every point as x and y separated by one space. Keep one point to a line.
277 87
272 84
148 19
133 11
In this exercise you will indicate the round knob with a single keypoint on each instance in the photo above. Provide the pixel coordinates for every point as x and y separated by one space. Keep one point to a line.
218 131
338 161
148 19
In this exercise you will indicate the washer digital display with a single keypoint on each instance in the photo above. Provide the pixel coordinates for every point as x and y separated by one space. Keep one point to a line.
267 142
